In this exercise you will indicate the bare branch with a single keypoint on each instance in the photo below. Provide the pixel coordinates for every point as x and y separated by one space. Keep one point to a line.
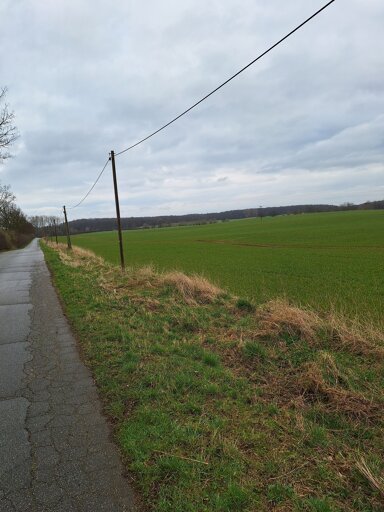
8 131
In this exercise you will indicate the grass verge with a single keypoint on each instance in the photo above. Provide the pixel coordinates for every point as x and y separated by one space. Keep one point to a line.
221 406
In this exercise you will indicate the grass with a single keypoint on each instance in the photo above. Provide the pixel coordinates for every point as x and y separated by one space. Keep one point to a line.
219 404
327 260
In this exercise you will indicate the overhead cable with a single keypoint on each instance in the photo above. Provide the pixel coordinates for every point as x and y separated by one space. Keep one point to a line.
204 98
226 81
90 190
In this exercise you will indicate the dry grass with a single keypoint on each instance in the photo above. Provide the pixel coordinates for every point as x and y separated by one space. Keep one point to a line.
143 276
278 317
377 482
313 387
192 288
356 338
275 318
330 369
119 284
320 380
77 257
301 388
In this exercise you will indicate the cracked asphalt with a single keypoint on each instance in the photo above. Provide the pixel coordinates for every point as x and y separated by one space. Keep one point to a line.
55 448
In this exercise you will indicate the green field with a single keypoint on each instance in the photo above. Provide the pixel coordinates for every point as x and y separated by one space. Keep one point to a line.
324 260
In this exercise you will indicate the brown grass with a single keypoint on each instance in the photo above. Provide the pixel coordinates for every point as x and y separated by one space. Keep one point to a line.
144 276
330 369
377 482
364 340
313 387
278 317
119 284
77 257
192 288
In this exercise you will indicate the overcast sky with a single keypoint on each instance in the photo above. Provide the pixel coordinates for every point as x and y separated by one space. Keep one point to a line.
303 125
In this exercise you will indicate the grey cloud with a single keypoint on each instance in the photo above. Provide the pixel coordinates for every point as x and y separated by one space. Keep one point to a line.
84 80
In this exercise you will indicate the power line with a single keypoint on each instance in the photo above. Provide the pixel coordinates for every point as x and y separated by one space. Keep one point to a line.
226 81
204 98
90 190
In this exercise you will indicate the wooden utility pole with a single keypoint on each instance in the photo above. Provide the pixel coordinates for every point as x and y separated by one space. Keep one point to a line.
67 229
117 211
55 227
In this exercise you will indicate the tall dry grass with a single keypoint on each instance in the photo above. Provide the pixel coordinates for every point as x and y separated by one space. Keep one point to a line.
193 289
376 481
279 317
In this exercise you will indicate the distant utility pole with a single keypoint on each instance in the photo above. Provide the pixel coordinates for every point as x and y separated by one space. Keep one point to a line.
67 229
117 210
261 213
55 228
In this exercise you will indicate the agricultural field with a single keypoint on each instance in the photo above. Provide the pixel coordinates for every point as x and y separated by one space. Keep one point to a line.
327 260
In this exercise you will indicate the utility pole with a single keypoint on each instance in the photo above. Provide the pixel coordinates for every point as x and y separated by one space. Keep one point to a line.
112 158
67 229
55 227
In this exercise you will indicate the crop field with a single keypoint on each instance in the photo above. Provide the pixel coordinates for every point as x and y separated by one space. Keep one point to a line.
327 260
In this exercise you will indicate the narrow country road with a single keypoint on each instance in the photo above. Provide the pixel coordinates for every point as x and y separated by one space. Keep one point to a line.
55 451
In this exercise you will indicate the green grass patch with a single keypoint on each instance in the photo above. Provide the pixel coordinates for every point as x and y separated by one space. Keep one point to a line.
221 408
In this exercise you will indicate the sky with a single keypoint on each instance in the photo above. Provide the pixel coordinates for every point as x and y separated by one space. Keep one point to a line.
303 125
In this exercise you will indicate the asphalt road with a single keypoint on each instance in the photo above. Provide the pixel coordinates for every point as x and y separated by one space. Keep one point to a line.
55 448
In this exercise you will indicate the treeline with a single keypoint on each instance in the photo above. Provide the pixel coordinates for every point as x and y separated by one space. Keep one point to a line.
109 224
47 226
15 229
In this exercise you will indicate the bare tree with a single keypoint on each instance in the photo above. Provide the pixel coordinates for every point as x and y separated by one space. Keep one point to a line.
46 225
8 131
6 202
11 217
6 195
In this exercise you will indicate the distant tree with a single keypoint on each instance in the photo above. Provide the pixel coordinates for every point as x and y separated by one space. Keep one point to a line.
8 131
6 196
15 220
45 225
11 217
6 204
348 206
